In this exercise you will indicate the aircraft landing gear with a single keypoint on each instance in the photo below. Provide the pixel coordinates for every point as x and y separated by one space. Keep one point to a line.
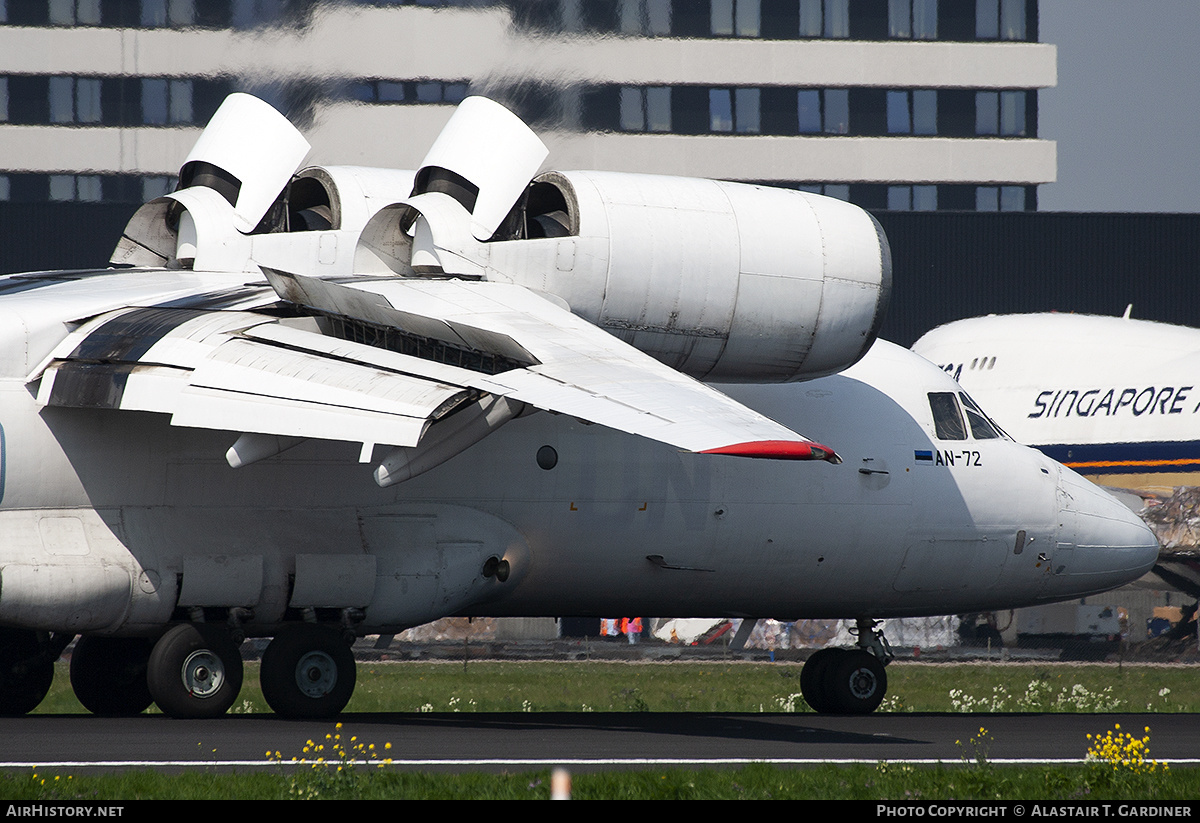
26 670
848 681
108 675
308 672
194 671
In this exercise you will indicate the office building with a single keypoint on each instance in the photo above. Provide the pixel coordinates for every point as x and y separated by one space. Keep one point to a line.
892 104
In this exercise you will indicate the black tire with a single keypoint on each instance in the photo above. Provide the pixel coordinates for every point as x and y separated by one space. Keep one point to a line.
108 675
24 679
194 671
857 683
308 672
814 680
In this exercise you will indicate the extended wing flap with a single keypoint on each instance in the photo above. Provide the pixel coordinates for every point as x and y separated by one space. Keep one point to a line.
571 366
216 409
246 386
203 370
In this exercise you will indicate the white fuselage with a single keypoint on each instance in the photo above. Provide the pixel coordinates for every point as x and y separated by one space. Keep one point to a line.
117 522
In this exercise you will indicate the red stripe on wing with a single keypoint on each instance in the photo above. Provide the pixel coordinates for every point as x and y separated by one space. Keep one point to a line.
779 450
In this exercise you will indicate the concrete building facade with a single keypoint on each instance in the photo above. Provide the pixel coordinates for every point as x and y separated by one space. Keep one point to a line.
893 104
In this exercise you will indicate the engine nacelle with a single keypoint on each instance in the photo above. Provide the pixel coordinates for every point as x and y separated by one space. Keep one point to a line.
723 281
241 204
311 226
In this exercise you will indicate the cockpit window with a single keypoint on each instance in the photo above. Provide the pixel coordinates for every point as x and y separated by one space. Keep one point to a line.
981 427
947 421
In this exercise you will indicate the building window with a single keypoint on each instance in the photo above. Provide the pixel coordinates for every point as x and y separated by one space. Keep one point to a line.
74 100
163 13
74 12
1000 198
62 99
912 111
1000 113
924 198
824 18
62 187
899 116
1000 20
736 18
646 109
823 111
154 13
648 17
88 189
84 187
3 99
1012 198
155 186
246 14
401 91
912 198
166 101
913 19
429 92
841 191
734 110
808 109
389 91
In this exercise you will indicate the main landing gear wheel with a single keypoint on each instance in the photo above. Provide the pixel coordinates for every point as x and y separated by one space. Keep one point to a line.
308 672
857 682
195 671
108 675
25 677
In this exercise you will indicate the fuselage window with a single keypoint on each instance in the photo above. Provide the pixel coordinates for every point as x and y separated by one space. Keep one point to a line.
981 427
947 420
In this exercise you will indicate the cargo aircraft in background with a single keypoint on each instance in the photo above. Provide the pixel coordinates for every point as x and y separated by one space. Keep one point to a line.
1114 398
322 404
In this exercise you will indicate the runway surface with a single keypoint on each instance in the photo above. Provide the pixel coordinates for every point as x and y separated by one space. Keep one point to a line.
470 741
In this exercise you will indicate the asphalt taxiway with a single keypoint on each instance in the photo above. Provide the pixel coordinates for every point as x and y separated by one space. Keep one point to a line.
520 741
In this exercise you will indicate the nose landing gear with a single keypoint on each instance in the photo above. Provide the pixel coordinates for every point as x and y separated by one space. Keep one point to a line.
848 681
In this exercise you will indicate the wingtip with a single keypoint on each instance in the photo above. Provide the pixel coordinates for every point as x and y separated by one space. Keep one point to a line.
779 450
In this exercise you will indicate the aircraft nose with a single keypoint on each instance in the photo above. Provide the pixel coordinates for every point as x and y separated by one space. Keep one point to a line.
1106 545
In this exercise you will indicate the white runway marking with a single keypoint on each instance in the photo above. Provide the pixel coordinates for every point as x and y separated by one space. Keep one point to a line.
546 762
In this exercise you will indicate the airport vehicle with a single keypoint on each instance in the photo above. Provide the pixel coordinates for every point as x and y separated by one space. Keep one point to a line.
487 406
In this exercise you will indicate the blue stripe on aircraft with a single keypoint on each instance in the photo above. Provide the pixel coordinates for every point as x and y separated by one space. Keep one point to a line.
1128 458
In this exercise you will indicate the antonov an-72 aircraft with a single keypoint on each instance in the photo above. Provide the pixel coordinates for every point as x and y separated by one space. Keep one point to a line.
318 405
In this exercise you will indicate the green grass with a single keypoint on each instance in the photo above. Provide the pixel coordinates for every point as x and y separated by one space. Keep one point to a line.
758 781
694 687
730 687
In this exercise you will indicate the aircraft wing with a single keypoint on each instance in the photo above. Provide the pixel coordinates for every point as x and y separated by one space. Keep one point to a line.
383 360
204 369
560 362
